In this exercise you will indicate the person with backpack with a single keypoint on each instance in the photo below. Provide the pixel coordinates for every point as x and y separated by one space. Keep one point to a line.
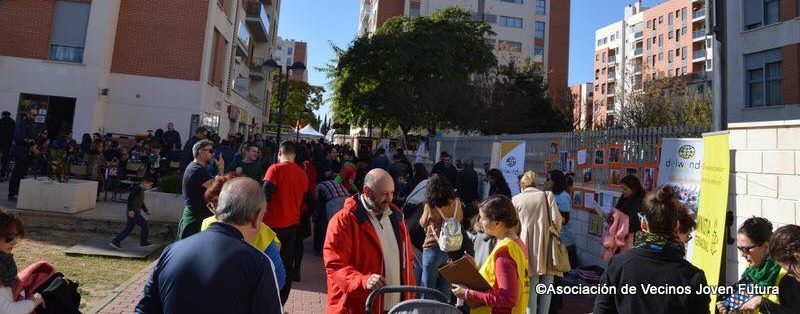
441 219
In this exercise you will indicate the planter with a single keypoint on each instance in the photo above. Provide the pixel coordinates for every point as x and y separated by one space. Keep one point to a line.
47 195
164 207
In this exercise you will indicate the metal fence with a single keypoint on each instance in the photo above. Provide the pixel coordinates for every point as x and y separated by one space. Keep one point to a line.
639 146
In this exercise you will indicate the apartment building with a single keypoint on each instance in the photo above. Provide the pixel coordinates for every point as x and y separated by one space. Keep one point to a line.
288 51
537 30
126 66
668 40
761 81
582 100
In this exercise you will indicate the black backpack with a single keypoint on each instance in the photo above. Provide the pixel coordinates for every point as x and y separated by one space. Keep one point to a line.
60 296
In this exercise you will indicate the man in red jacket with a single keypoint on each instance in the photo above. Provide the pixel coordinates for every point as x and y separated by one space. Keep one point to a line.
367 246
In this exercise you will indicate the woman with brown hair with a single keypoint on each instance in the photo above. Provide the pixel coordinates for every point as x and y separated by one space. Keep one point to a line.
441 203
657 260
11 231
506 268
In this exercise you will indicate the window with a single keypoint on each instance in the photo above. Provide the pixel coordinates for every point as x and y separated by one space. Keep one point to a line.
217 57
68 35
599 42
660 56
683 53
661 19
612 37
508 21
677 36
669 56
670 19
649 24
540 7
510 45
280 47
683 70
654 24
763 78
661 40
708 43
538 50
539 33
604 57
683 14
669 34
605 39
678 52
513 1
648 45
683 30
290 51
759 13
413 12
289 61
244 34
708 65
597 57
490 18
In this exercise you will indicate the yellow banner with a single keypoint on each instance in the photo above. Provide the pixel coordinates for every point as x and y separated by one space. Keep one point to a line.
710 234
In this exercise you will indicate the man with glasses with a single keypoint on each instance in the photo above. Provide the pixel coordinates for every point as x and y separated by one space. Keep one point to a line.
285 187
367 246
196 179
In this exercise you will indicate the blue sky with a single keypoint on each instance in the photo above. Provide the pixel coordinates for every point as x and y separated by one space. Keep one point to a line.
318 22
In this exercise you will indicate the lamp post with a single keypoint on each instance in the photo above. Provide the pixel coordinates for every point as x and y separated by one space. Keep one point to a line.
284 87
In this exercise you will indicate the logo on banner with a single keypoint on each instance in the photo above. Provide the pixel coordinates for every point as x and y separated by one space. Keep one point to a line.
686 151
511 161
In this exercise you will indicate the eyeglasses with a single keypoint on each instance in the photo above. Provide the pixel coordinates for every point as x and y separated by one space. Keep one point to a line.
746 249
210 150
9 237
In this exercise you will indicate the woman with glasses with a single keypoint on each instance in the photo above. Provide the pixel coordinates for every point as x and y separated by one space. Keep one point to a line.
784 250
752 242
11 231
656 260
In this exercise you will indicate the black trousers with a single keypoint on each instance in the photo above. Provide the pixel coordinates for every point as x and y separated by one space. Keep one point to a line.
288 238
21 166
5 160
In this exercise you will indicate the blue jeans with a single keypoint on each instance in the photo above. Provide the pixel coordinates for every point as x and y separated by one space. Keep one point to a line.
539 303
432 259
131 222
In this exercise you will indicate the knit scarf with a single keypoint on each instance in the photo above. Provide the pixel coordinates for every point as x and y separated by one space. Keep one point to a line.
763 275
659 243
8 270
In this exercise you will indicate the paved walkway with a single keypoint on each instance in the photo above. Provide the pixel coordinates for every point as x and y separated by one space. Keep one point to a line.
308 296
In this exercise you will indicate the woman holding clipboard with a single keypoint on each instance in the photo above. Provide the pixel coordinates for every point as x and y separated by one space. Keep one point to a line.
506 268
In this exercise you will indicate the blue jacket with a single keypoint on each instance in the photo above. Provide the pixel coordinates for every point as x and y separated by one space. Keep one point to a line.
214 271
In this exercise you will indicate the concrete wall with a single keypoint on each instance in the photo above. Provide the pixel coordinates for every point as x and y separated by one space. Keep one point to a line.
765 179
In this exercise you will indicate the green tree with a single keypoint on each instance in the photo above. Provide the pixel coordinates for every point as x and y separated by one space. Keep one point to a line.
408 74
664 102
301 101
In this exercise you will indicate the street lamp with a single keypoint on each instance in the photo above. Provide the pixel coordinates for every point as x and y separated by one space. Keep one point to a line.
299 66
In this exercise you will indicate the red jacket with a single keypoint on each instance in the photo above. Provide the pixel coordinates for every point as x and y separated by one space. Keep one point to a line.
352 252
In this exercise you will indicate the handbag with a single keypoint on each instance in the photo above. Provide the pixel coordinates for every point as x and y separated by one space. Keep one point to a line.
558 258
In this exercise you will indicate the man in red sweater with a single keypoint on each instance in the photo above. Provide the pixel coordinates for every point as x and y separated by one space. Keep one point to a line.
367 246
285 186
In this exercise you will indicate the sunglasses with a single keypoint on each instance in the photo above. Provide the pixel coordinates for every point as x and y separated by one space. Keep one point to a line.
8 237
746 249
210 150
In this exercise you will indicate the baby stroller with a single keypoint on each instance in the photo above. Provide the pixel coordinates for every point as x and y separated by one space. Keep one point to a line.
415 306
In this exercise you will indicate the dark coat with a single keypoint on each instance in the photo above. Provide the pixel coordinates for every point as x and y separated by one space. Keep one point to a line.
640 267
447 172
6 132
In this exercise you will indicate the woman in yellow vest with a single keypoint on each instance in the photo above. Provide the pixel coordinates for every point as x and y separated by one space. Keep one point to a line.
266 241
506 268
752 241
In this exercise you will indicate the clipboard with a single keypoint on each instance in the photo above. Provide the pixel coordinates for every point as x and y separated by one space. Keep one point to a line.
464 272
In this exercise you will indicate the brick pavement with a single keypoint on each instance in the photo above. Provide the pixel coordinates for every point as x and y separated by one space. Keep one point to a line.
308 296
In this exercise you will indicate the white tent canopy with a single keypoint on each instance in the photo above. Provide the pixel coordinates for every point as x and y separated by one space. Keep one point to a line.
309 131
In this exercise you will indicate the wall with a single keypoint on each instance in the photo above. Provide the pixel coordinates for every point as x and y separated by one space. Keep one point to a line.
765 179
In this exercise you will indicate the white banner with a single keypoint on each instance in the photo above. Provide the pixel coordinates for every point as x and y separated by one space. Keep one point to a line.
512 163
681 165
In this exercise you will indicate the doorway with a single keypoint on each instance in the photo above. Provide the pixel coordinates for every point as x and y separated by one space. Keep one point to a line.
54 113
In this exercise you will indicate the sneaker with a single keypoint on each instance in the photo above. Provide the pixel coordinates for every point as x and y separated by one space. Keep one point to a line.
146 244
115 245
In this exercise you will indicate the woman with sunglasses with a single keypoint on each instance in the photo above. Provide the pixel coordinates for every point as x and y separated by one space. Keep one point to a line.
784 249
11 231
657 259
752 242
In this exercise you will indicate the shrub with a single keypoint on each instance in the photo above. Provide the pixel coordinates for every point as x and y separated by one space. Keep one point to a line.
170 183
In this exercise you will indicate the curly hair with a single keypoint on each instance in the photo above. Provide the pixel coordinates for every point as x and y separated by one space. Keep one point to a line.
212 193
439 192
500 208
785 242
758 229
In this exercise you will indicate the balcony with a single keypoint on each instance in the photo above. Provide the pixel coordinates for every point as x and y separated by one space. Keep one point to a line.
637 52
612 76
700 54
257 19
612 59
698 15
699 35
637 69
258 70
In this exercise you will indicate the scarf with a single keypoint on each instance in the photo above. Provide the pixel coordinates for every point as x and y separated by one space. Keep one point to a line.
763 275
659 243
8 270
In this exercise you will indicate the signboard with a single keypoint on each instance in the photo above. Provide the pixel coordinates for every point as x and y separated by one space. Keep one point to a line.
512 163
710 234
681 165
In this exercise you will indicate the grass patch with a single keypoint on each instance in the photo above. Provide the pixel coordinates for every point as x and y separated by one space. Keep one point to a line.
97 276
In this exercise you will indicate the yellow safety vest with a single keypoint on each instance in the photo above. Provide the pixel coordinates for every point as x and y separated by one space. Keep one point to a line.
261 242
488 272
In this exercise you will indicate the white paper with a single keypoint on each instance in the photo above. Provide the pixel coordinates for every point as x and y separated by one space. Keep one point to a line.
581 156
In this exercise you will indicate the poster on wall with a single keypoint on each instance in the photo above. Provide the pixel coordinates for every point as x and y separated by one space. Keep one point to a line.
581 156
595 224
614 177
562 160
512 163
586 173
553 147
681 165
614 154
599 157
